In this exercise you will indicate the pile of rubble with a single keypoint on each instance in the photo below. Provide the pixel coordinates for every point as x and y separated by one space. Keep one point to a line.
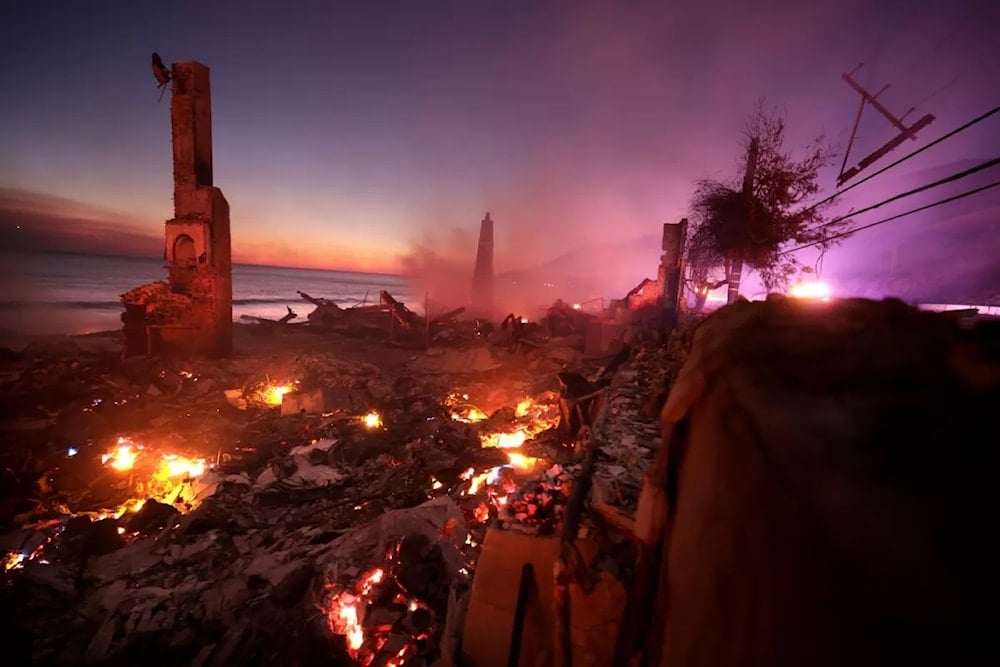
309 506
208 588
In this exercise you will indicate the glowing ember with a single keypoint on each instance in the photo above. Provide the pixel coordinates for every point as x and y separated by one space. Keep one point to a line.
532 418
176 466
13 560
123 456
275 394
489 478
471 414
503 440
342 615
372 420
521 461
159 477
811 290
462 410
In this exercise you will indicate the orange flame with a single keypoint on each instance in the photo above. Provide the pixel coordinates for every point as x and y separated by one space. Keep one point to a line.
274 394
504 440
372 420
343 618
123 456
462 410
165 474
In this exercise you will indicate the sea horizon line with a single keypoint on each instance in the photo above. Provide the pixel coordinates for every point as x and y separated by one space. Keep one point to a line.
155 258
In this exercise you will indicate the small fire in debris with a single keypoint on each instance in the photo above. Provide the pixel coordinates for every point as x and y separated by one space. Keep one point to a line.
365 640
462 410
543 415
472 414
163 476
372 420
123 456
521 461
342 616
14 559
175 466
489 477
504 440
274 394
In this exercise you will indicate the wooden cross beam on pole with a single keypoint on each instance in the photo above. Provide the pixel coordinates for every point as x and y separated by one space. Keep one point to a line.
905 132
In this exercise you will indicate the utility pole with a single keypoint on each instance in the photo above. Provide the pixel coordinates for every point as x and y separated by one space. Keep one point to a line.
904 131
736 269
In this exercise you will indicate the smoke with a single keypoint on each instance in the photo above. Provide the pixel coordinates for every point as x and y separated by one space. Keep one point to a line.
582 131
439 267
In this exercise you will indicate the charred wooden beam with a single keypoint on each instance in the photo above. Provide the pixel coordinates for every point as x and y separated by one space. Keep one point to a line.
325 303
266 320
400 313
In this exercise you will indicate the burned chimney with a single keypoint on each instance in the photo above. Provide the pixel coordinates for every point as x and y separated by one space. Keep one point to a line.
193 311
482 277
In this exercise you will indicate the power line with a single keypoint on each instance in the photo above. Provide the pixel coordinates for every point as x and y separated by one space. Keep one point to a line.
947 179
827 239
886 168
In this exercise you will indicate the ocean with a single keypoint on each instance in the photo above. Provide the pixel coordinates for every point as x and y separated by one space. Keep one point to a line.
56 293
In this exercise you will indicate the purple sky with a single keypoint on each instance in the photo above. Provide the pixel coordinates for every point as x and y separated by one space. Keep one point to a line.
371 128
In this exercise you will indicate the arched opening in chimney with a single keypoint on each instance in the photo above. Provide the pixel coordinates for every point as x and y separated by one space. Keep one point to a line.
184 250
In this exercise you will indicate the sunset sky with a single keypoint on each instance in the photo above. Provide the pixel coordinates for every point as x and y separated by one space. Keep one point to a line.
352 134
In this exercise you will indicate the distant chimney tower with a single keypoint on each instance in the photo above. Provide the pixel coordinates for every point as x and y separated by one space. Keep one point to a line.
482 277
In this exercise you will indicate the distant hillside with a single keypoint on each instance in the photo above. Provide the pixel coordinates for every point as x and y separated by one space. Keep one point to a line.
34 222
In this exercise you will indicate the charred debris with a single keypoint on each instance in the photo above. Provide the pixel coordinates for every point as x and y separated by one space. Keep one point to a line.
292 503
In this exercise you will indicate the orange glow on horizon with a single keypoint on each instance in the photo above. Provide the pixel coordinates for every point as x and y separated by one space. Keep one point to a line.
376 259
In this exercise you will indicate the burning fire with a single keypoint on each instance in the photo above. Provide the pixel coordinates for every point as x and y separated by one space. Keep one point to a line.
521 461
532 418
122 457
472 414
14 559
462 410
811 290
342 616
372 420
345 612
166 473
504 440
535 418
274 394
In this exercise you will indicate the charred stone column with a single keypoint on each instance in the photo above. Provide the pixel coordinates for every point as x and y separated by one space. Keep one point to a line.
198 249
482 277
